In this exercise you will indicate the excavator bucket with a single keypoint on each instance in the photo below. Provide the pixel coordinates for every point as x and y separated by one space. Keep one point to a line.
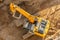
17 15
14 12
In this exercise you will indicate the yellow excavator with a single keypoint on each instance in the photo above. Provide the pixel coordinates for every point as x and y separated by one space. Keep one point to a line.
35 24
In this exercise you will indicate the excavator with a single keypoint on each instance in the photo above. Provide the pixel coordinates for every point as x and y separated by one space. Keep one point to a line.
37 25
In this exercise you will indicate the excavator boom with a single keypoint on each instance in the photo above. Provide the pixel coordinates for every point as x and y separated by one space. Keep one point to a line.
15 8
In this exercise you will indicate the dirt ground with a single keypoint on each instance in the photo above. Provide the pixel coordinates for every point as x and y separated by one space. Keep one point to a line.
9 27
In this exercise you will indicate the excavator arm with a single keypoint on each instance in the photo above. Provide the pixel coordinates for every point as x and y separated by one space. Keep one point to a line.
15 8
